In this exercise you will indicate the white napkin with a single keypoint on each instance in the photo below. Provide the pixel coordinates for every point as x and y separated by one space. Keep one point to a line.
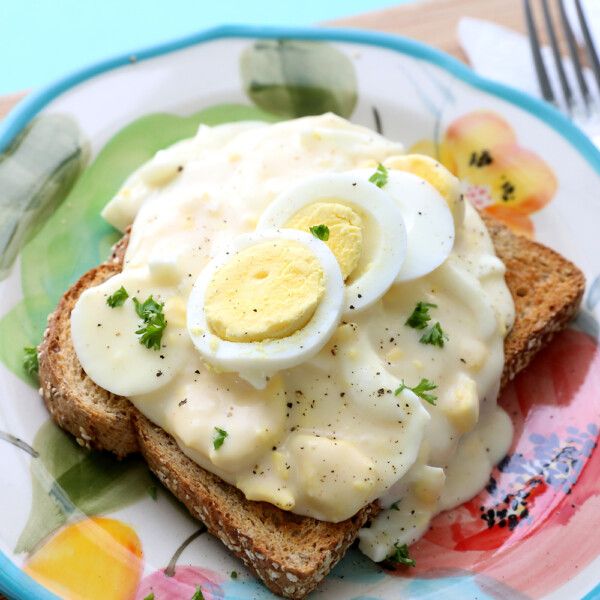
502 54
592 12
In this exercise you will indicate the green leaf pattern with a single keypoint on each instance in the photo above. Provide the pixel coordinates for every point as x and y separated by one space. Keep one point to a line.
69 481
295 78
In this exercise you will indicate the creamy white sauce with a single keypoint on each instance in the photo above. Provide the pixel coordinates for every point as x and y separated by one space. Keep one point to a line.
328 436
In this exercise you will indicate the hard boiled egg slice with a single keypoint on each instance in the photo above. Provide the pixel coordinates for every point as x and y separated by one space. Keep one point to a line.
267 302
106 342
428 219
365 230
429 169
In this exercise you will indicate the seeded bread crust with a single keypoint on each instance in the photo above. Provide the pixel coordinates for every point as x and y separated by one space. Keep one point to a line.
547 290
97 418
289 553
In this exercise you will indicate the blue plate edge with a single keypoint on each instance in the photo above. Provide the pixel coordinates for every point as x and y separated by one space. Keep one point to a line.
21 115
13 581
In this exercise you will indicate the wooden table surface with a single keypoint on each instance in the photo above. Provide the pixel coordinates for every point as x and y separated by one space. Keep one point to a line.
430 21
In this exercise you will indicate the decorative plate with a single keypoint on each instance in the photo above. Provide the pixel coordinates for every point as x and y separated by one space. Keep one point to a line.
87 526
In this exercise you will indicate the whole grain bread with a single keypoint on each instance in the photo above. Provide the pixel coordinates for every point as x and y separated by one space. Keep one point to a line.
547 290
290 553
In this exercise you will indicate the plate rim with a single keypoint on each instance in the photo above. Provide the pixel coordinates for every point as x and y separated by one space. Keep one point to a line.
20 116
13 581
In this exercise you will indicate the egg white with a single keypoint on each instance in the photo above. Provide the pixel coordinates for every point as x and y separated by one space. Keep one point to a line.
429 222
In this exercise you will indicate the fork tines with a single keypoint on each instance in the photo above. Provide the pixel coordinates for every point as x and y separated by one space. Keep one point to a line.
548 92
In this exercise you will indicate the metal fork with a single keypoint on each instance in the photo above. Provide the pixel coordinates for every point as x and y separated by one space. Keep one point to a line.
583 113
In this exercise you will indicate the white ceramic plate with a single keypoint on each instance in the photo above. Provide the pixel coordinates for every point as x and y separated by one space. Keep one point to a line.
530 534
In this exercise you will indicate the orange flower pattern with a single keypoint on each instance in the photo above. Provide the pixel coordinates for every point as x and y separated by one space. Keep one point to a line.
501 177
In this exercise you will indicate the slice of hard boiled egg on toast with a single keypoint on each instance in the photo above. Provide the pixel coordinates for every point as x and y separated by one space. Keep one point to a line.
267 302
427 218
429 169
107 341
365 229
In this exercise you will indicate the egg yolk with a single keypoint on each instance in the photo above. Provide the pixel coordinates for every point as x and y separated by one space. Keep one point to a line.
345 230
267 291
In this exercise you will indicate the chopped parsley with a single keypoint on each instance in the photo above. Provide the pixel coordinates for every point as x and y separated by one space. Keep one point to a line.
154 322
395 506
153 492
150 596
419 319
401 556
234 575
420 316
434 336
320 231
220 435
30 360
380 177
145 310
151 333
198 595
118 298
420 390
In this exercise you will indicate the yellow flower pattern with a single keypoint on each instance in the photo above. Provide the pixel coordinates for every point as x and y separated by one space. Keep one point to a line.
93 559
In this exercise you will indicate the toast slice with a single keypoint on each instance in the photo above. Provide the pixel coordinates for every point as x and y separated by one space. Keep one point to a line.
290 553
